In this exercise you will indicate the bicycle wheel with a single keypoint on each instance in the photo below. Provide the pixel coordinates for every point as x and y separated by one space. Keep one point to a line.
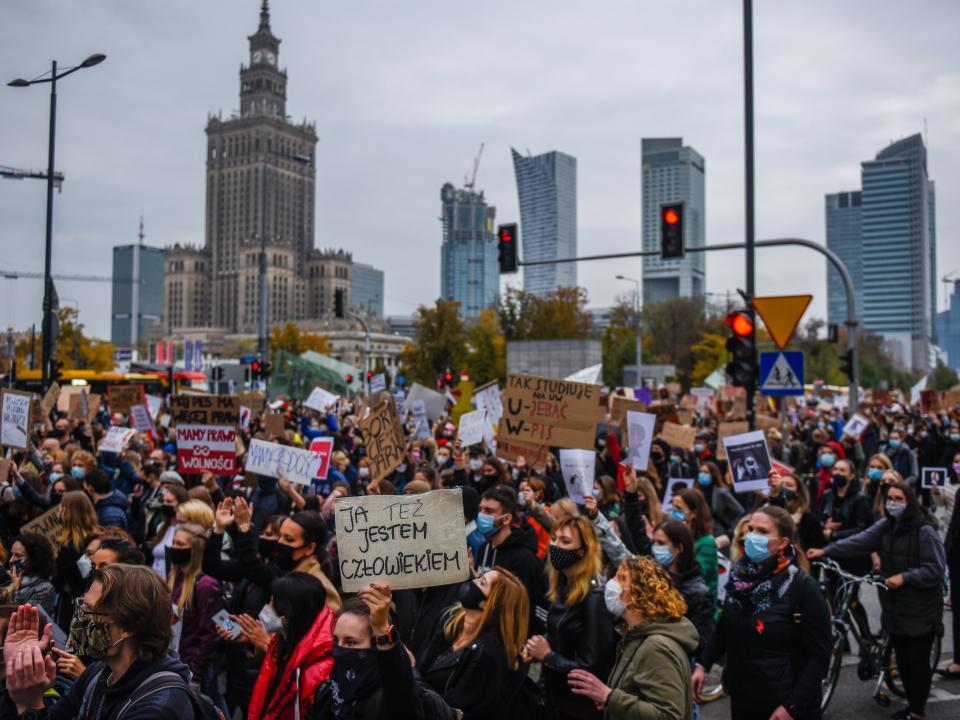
893 680
829 683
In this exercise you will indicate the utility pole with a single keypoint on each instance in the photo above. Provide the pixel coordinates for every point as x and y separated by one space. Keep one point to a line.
750 237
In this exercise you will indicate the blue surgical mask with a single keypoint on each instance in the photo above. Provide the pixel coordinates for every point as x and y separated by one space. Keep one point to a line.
678 515
895 444
596 493
757 547
662 554
827 460
54 476
699 447
874 474
954 437
704 479
486 524
78 472
674 459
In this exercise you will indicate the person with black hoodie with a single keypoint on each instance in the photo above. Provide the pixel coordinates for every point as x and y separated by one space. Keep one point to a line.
129 607
511 547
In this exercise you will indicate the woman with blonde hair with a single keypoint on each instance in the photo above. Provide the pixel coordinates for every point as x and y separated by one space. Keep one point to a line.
887 478
196 598
195 511
652 674
78 520
579 629
876 466
473 664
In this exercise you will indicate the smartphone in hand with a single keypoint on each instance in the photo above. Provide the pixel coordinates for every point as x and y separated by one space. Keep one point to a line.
222 620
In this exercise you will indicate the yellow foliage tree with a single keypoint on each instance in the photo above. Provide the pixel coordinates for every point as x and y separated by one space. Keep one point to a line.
293 340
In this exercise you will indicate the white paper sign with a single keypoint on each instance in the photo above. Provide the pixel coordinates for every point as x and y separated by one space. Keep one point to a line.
589 375
320 399
116 438
917 389
154 403
749 461
577 467
471 428
489 398
142 421
855 426
640 437
245 415
270 459
378 383
410 541
433 401
15 421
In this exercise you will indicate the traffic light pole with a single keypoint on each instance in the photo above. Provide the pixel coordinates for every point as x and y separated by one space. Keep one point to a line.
852 323
750 239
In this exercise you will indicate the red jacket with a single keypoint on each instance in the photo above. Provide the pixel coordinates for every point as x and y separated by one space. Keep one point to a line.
313 656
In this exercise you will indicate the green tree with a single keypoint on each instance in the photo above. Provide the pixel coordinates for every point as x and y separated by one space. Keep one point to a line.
619 342
672 328
487 359
439 343
559 315
942 377
709 353
74 350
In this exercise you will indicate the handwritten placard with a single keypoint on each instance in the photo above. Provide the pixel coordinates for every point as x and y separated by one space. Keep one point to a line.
410 541
729 429
205 409
544 411
123 397
116 439
15 419
49 525
534 455
50 399
471 428
254 400
680 436
320 399
384 438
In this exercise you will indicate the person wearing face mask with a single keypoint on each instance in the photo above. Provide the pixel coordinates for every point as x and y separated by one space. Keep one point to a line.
30 570
651 677
444 456
580 632
903 459
673 550
725 509
876 466
945 496
845 511
774 628
197 597
299 656
913 561
267 499
156 547
508 543
829 453
951 445
796 499
78 521
690 507
129 615
302 547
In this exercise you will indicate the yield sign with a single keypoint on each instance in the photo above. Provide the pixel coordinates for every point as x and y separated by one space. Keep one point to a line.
781 314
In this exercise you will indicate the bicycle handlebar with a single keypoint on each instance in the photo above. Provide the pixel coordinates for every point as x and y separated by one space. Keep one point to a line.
833 566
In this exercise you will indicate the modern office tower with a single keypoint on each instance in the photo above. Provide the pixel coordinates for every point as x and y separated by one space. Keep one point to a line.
673 173
547 188
845 238
468 256
948 328
368 289
137 292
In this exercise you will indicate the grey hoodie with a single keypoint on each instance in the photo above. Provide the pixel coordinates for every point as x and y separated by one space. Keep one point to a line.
652 676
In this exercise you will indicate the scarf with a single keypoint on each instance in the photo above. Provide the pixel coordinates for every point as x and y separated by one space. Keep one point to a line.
752 588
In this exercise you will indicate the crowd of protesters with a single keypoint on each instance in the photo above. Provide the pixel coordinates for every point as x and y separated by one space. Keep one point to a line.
172 596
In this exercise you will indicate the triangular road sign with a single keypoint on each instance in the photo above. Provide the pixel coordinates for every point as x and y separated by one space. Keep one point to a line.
781 314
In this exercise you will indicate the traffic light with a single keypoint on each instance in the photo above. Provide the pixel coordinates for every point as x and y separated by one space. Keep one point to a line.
742 369
349 378
507 248
671 231
369 375
846 363
265 369
255 369
338 303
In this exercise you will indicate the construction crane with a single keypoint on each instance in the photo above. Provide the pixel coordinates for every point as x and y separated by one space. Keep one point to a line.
469 184
18 275
17 174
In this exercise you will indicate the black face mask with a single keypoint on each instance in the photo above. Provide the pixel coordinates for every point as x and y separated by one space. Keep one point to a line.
354 677
168 511
561 558
266 548
179 556
471 596
283 557
55 497
839 481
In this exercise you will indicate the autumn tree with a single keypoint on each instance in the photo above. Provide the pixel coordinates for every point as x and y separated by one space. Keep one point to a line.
619 342
487 348
672 328
294 341
710 353
73 349
439 342
558 315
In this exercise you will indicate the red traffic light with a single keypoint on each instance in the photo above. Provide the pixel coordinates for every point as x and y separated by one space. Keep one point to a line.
670 216
448 377
506 235
255 366
348 378
369 374
739 323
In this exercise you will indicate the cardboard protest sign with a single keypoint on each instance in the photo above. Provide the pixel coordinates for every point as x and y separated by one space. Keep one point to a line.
704 396
121 398
205 409
765 422
675 486
471 428
749 461
543 411
726 430
253 399
856 425
534 455
433 402
681 436
15 418
684 417
116 439
206 448
50 399
63 399
578 468
933 477
929 401
621 405
384 439
49 525
322 449
640 432
410 541
274 425
951 398
270 459
320 399
487 397
140 415
5 464
665 412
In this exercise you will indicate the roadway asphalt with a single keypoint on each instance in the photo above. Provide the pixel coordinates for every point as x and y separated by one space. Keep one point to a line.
853 699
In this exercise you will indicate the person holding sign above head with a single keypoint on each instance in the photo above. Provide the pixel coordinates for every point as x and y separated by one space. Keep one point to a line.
580 633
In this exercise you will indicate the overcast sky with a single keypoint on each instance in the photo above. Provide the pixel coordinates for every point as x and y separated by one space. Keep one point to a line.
403 93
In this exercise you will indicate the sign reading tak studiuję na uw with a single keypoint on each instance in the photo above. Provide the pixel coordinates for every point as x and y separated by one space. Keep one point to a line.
543 411
410 541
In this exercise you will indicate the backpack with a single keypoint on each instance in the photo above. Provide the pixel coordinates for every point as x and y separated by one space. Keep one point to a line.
203 707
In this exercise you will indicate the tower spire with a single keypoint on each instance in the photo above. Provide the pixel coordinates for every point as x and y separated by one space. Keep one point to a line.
140 234
264 15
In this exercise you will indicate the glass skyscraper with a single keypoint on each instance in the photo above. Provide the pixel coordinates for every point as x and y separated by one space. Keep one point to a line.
367 289
150 301
469 272
547 189
845 238
896 257
673 173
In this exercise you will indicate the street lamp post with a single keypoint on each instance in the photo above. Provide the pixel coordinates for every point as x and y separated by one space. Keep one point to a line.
637 320
47 325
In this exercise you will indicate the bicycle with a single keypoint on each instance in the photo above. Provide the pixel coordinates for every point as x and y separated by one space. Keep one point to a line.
876 652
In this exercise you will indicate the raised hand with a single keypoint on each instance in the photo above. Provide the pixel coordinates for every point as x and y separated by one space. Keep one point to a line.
243 511
224 516
377 597
253 631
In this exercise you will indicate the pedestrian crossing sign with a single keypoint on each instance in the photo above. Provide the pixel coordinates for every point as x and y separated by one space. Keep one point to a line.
781 373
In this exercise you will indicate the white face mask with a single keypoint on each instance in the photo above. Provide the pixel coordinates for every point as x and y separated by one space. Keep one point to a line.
84 565
611 596
271 621
476 465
